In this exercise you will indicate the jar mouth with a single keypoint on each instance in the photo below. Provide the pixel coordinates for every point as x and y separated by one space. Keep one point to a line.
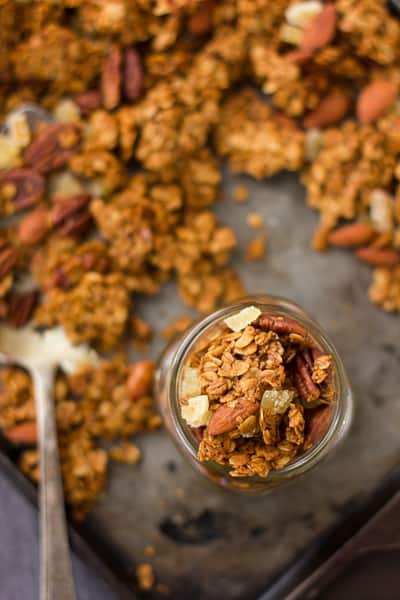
276 306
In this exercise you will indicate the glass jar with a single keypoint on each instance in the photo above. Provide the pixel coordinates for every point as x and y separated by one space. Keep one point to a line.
169 376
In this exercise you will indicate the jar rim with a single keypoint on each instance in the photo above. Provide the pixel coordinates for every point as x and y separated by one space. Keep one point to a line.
279 306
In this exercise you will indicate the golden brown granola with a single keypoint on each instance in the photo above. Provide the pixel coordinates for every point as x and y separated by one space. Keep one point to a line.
156 85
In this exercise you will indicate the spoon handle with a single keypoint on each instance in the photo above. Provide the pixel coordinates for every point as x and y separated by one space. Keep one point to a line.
56 581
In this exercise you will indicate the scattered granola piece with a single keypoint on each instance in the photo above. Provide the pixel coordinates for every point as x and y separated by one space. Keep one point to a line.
145 576
241 193
255 220
126 453
255 249
177 326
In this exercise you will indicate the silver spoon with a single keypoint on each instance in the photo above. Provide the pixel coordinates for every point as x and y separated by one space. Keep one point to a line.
40 355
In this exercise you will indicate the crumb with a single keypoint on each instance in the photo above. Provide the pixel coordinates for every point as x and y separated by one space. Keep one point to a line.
150 551
241 193
176 326
255 249
163 589
126 453
179 492
142 332
145 576
255 220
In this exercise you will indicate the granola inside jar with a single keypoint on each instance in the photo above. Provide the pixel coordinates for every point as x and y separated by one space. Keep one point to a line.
254 394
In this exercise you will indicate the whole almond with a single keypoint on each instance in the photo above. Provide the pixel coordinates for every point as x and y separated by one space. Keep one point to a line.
34 227
318 422
321 29
379 257
140 379
350 236
375 99
329 111
25 433
225 418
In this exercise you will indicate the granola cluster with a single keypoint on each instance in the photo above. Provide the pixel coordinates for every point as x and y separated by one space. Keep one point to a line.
111 193
108 402
257 394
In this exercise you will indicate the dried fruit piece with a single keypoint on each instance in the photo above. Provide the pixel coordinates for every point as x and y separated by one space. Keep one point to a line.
226 418
282 325
300 14
196 412
276 402
140 379
317 424
52 147
34 227
375 99
24 434
243 318
191 385
21 307
381 207
132 74
329 111
21 187
349 236
379 257
320 31
111 78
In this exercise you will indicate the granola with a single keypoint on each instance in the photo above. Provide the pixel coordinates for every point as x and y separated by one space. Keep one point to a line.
163 87
249 393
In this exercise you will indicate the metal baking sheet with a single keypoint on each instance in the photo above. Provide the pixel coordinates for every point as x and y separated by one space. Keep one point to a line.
212 544
209 543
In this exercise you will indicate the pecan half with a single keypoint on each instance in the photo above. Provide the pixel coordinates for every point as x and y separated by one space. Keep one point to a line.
317 424
21 307
281 325
88 101
227 418
22 187
308 390
132 74
53 147
111 78
71 217
8 258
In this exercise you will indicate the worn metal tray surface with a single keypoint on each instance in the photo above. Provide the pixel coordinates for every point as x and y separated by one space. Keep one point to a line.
209 543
